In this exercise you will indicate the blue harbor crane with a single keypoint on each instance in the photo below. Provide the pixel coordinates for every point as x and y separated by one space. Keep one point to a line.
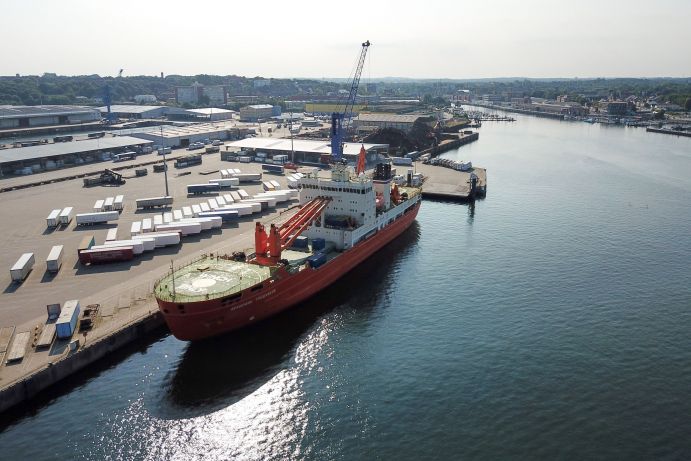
339 119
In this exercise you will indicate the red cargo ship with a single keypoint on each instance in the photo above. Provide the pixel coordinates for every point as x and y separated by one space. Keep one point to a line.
342 221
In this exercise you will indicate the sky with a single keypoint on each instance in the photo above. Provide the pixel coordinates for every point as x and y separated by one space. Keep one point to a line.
317 39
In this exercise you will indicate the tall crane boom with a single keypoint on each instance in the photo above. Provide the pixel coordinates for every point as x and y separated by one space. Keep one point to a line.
339 118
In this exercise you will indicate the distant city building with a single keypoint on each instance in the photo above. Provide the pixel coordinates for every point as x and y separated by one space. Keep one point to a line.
492 98
258 111
617 107
30 116
144 98
261 82
193 94
295 106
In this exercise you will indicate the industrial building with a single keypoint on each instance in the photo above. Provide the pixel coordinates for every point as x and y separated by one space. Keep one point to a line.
35 159
257 112
193 94
211 114
35 116
306 151
183 136
374 121
132 111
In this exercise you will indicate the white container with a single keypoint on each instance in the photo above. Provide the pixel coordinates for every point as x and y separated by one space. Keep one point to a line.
207 222
247 177
158 220
224 174
167 217
236 196
187 212
98 206
53 218
177 215
196 209
275 183
118 203
22 267
185 228
228 198
136 228
147 225
270 201
108 205
112 234
148 243
220 201
204 206
225 182
267 186
54 259
162 239
97 218
213 204
66 215
243 194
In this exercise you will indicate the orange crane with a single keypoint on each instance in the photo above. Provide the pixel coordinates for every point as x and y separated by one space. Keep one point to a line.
268 248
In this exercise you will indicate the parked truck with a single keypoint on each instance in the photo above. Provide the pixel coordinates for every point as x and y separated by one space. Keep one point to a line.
153 202
53 218
96 218
203 188
22 267
188 160
54 259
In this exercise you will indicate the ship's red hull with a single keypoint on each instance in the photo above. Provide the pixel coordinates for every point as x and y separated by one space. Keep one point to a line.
202 319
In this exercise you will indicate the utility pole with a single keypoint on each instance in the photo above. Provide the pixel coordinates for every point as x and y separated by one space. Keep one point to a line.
165 164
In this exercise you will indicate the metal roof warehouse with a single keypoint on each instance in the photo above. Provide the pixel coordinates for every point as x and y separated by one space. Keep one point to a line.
68 152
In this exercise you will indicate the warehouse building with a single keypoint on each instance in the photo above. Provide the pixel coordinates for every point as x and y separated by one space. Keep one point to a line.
306 151
183 136
211 114
375 121
257 112
36 159
34 116
134 111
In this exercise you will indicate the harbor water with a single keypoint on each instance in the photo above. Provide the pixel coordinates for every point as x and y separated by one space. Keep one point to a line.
550 320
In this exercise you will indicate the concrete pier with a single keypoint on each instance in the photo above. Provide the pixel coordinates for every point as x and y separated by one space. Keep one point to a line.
447 184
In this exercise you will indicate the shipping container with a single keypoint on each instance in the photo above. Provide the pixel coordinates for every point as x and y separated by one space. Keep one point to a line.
167 217
224 174
207 223
236 196
243 209
136 228
196 209
154 202
204 206
158 220
187 212
53 218
66 323
177 215
220 201
109 203
243 194
54 259
270 200
316 260
225 182
112 234
87 242
118 203
188 160
96 218
213 204
228 198
66 215
318 244
276 184
244 159
267 186
22 267
300 242
106 255
401 161
147 225
137 246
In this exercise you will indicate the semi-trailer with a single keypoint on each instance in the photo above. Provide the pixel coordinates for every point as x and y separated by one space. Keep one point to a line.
98 206
147 225
118 203
22 267
86 219
247 177
66 215
137 246
106 255
177 215
225 182
203 188
54 259
66 323
87 242
273 169
53 218
148 243
136 228
108 204
152 202
228 198
162 239
225 215
187 212
167 217
185 228
213 204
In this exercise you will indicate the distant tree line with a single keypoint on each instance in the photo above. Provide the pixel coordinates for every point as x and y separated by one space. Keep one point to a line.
56 89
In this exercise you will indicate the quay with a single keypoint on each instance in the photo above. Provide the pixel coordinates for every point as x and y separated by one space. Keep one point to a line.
665 131
440 183
464 137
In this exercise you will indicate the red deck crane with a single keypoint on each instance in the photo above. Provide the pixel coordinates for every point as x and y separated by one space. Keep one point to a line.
268 248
